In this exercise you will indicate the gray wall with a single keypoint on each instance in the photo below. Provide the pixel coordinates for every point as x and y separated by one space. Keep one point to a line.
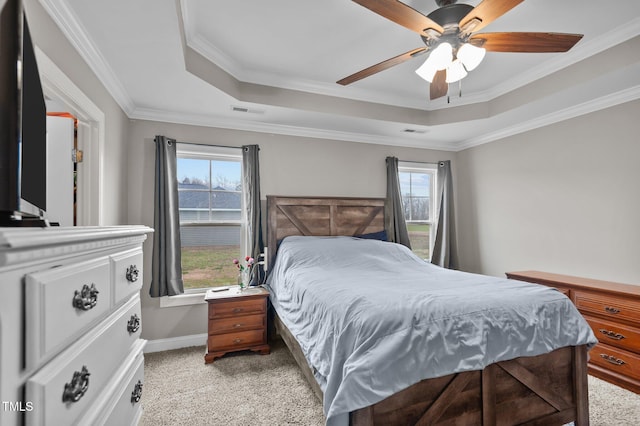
562 198
288 166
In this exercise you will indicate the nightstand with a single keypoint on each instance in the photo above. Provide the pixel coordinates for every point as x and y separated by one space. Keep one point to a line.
237 321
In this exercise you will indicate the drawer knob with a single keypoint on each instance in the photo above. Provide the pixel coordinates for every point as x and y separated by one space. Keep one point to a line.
132 273
237 310
237 341
612 359
78 387
133 324
137 393
86 298
237 325
612 334
611 310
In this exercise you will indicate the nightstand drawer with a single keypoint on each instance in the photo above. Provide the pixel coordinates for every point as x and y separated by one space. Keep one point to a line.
242 307
617 360
616 308
610 333
236 340
233 324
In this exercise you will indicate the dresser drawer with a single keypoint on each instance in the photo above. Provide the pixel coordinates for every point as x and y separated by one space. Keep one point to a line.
616 360
616 308
236 340
241 307
126 270
611 333
61 303
121 398
233 324
99 353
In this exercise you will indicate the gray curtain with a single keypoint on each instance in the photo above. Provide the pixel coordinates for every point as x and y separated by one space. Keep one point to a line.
394 212
251 184
166 277
445 251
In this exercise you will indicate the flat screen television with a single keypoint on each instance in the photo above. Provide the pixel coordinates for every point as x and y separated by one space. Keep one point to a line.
23 124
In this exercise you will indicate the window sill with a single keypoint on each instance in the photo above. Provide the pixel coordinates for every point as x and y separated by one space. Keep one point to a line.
183 299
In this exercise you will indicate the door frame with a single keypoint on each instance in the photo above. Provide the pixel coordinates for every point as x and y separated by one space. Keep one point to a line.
91 136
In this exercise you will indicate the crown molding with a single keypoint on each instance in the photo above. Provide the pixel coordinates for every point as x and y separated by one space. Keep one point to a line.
77 35
597 104
211 52
280 129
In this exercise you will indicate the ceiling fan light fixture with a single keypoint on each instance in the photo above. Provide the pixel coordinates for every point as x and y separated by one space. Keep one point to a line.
427 71
455 71
470 55
441 56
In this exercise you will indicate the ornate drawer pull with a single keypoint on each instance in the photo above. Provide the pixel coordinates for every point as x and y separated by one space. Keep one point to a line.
612 359
133 324
86 298
611 310
78 387
237 340
132 273
236 310
237 325
612 334
137 393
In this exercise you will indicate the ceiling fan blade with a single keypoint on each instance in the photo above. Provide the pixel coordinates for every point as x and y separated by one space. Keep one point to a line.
485 13
381 66
402 14
526 42
439 86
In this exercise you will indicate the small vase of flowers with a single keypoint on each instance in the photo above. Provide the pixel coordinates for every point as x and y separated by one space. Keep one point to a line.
244 271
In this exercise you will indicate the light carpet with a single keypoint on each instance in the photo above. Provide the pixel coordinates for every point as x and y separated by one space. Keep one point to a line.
251 389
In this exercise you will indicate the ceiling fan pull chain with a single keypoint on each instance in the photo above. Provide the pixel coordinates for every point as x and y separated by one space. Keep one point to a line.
459 88
448 98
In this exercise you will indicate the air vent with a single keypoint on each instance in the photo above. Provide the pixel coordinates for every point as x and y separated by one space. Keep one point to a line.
236 108
416 131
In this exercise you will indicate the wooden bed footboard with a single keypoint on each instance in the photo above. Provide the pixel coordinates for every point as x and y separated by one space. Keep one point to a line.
548 389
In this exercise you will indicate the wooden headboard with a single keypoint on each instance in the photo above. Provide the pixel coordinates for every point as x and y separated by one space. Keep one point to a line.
321 216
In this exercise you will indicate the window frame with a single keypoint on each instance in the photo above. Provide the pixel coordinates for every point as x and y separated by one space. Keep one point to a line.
432 170
219 153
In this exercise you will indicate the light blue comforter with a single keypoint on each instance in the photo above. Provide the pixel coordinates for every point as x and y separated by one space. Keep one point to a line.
372 318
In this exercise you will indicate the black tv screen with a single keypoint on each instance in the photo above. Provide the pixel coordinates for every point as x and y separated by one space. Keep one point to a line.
23 122
34 129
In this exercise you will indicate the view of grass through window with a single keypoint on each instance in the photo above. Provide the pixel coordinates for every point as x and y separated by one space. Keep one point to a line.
209 266
419 235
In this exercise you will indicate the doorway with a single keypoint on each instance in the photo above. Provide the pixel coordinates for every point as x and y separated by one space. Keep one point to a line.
68 97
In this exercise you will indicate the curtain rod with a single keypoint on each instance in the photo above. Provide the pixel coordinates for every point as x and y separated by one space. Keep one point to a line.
207 144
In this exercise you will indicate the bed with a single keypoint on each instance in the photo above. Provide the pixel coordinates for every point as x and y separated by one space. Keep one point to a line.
373 369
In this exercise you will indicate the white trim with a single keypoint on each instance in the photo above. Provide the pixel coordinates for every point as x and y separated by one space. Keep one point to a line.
180 342
62 14
251 126
593 105
56 84
183 299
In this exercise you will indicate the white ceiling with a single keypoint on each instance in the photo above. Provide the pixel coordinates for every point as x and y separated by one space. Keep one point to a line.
191 61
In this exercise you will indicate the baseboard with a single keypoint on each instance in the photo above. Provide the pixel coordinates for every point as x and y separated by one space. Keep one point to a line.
170 343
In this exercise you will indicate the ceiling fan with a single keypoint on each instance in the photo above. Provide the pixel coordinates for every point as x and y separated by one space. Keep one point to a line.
449 34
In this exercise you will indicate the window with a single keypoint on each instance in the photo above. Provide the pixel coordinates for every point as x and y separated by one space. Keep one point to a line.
418 185
211 214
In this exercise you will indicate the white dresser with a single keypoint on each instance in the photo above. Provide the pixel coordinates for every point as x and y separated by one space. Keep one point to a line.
70 347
